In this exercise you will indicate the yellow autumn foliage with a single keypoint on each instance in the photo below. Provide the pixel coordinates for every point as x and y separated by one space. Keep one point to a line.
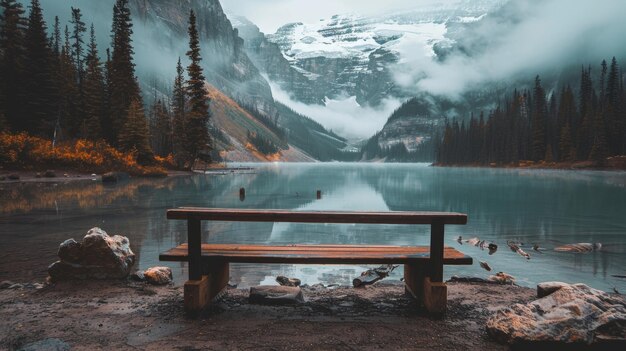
23 151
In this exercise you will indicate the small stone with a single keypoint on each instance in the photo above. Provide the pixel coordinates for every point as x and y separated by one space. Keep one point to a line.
16 286
276 295
138 277
50 344
285 281
502 278
546 288
50 174
6 284
37 175
158 275
114 177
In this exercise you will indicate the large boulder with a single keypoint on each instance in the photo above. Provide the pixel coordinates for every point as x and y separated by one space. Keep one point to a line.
98 256
571 314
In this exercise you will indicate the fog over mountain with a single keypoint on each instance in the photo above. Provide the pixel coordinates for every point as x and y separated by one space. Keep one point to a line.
522 38
514 40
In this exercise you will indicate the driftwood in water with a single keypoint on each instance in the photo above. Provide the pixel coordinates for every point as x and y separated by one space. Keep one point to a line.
579 247
515 248
371 276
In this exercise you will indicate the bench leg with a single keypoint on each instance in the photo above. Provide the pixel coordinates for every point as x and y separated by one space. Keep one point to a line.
430 295
413 281
435 296
199 293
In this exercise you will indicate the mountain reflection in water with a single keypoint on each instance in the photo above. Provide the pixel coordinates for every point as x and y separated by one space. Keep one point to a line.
549 208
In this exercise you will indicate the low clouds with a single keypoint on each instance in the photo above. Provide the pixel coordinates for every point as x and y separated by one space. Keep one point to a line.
268 15
343 115
525 38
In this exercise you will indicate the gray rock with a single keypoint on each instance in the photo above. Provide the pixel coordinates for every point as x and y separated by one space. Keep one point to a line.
70 251
6 284
114 177
16 286
574 314
276 295
50 174
138 277
51 344
285 281
158 275
546 288
98 256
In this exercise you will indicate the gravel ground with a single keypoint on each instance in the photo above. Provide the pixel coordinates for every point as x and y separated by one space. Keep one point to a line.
129 315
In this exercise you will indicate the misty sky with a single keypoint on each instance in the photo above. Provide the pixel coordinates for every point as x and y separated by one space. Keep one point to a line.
271 14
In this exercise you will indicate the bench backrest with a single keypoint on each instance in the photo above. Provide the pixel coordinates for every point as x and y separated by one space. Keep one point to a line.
247 215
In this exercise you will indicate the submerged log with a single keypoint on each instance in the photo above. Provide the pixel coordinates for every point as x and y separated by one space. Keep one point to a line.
579 247
371 276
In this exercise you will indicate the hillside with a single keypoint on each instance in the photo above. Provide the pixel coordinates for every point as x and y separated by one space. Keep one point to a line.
232 126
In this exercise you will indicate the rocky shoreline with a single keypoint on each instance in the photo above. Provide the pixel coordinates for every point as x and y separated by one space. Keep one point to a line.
87 315
125 314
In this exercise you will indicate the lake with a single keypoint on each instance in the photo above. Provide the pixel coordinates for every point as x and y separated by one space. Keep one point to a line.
548 208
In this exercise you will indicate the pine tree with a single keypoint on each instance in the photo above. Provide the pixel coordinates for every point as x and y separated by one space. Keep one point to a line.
12 54
613 111
198 139
40 87
77 43
538 123
585 138
56 37
93 91
566 153
134 135
599 150
107 123
69 118
123 87
179 100
567 116
162 129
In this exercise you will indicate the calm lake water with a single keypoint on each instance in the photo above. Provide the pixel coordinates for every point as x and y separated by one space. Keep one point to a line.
549 208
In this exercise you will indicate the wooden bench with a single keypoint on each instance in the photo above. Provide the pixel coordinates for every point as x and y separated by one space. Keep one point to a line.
209 263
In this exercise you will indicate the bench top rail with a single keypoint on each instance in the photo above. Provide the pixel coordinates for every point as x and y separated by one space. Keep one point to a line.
267 215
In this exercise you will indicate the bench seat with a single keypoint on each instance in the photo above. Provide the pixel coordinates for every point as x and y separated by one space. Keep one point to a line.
316 254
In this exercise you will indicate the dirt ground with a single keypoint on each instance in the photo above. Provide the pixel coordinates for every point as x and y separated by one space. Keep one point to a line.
128 315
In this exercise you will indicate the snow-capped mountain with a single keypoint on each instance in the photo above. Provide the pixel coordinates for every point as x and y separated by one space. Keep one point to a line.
352 55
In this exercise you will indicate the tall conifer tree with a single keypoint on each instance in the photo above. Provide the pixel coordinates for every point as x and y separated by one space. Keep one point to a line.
12 29
93 91
538 123
179 100
197 118
40 88
123 87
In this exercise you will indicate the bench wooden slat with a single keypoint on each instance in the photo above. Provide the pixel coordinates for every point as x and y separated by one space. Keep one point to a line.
247 215
316 254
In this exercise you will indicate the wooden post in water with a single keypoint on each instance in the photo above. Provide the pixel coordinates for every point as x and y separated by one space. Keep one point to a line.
319 194
242 194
